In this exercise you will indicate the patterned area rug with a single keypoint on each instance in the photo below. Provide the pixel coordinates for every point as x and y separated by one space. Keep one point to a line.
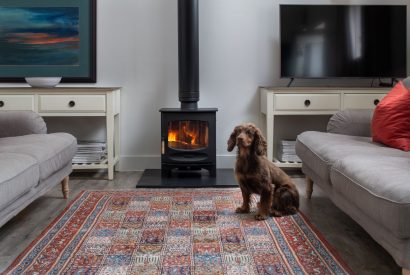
179 231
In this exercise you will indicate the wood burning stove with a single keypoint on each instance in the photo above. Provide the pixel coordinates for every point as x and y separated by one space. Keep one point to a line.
188 134
188 140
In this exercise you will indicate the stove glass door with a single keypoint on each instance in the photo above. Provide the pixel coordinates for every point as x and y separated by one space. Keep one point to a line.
188 134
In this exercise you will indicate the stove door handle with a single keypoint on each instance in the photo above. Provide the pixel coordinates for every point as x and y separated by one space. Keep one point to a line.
162 145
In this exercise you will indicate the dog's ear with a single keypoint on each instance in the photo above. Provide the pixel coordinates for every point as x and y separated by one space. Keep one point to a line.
261 146
232 138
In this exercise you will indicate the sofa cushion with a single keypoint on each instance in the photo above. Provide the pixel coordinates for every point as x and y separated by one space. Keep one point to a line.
391 120
19 173
320 150
351 122
52 151
379 186
20 123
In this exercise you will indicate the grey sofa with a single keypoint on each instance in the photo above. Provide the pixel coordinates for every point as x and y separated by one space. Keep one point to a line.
368 181
31 161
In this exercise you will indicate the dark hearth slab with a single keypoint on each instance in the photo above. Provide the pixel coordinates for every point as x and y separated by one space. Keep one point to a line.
151 178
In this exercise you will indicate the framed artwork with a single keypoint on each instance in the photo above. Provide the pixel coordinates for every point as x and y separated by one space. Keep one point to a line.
48 38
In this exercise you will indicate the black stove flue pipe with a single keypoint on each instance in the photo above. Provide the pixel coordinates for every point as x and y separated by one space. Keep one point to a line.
188 53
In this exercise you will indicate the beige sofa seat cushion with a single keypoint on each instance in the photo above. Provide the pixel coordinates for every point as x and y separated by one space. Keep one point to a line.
319 151
19 173
52 151
379 186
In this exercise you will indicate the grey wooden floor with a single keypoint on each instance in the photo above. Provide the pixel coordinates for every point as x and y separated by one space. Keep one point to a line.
355 246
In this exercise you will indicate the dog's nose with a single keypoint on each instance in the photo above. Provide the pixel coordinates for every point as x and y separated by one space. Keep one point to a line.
240 141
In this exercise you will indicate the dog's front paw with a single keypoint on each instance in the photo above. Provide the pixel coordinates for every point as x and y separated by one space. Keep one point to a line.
242 210
260 217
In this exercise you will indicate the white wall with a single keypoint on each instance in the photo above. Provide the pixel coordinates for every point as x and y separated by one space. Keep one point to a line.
239 51
235 57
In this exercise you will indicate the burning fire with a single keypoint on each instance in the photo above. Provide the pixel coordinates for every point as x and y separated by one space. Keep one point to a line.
184 136
188 134
172 135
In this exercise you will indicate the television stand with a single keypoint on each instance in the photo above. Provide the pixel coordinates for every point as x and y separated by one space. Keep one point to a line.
287 112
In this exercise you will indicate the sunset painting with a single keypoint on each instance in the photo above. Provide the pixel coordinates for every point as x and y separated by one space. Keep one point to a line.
39 36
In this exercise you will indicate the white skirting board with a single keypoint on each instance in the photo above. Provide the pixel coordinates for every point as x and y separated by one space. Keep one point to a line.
142 162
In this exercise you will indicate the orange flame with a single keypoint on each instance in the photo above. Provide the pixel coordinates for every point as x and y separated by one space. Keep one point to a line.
185 136
188 135
172 135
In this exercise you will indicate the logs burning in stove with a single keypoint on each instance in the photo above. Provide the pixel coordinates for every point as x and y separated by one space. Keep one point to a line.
188 134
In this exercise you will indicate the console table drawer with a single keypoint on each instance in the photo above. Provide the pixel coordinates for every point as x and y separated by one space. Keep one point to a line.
306 102
362 101
17 102
72 103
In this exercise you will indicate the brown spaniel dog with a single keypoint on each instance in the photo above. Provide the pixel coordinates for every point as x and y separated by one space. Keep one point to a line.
257 175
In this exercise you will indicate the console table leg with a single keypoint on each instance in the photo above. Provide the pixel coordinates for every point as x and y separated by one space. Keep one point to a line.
117 140
110 172
64 187
270 127
110 135
309 187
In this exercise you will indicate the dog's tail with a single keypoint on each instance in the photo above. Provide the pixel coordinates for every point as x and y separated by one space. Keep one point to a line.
289 201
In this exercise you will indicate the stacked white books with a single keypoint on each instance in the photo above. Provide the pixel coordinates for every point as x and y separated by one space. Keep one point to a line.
287 152
90 152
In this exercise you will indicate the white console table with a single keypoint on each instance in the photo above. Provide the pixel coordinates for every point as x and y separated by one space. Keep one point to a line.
73 102
277 102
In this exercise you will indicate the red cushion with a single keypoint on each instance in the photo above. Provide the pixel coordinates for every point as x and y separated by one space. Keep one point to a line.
391 119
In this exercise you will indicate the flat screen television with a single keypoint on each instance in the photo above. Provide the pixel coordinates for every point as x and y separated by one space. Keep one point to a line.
330 41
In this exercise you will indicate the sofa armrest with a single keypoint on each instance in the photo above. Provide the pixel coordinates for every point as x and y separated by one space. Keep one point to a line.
20 123
351 122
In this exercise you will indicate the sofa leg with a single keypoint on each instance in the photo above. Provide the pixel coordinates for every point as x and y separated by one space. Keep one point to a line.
309 187
65 188
406 271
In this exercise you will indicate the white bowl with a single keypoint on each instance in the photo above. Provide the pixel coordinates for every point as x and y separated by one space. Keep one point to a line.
43 82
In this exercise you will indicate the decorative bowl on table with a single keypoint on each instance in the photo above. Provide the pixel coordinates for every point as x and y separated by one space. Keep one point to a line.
43 82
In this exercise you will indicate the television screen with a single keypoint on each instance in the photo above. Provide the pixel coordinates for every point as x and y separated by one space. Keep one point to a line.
324 41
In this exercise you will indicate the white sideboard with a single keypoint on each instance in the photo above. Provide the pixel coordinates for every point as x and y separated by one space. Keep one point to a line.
70 102
306 104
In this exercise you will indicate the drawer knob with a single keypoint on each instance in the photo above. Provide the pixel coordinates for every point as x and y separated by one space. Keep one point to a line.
71 103
376 101
1 103
307 102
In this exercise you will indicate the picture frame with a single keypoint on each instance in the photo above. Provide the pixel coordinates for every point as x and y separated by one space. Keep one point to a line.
48 38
